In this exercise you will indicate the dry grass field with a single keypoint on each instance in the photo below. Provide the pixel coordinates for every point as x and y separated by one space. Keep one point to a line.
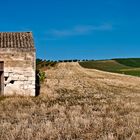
75 104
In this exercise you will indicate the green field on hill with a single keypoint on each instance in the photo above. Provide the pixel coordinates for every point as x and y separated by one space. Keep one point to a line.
128 66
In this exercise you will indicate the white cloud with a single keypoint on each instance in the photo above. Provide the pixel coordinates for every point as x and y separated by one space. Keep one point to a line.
79 30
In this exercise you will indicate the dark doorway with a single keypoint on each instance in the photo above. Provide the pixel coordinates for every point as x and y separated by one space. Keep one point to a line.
1 78
37 84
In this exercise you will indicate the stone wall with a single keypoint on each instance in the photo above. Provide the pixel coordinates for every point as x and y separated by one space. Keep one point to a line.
19 71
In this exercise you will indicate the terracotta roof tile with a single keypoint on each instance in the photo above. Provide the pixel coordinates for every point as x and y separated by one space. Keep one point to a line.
16 40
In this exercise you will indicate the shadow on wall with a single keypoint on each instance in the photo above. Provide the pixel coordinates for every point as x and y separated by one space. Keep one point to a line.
37 91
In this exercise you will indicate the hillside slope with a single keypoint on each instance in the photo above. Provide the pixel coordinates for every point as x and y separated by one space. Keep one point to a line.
72 75
75 103
98 95
106 65
131 62
129 66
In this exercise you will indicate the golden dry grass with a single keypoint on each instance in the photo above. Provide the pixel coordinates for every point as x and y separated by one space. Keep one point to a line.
75 103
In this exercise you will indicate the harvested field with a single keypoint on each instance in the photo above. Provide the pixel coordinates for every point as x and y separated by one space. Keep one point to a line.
75 103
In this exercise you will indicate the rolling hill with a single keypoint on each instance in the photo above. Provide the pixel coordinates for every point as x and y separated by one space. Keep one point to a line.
129 66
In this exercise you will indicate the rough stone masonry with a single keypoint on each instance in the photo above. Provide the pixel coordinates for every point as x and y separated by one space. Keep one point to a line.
17 63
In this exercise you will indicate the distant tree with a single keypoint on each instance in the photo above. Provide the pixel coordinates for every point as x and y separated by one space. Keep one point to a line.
75 60
69 60
60 61
38 60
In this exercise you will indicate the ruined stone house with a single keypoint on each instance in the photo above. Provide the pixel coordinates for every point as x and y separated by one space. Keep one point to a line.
17 63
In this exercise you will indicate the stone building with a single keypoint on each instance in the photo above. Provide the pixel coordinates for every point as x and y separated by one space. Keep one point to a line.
17 63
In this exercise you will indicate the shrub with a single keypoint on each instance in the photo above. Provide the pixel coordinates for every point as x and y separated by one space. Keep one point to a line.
42 76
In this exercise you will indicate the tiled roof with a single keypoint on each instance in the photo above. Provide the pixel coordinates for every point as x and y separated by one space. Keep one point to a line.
19 40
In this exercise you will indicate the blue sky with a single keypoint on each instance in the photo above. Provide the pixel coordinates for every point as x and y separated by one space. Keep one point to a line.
82 29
